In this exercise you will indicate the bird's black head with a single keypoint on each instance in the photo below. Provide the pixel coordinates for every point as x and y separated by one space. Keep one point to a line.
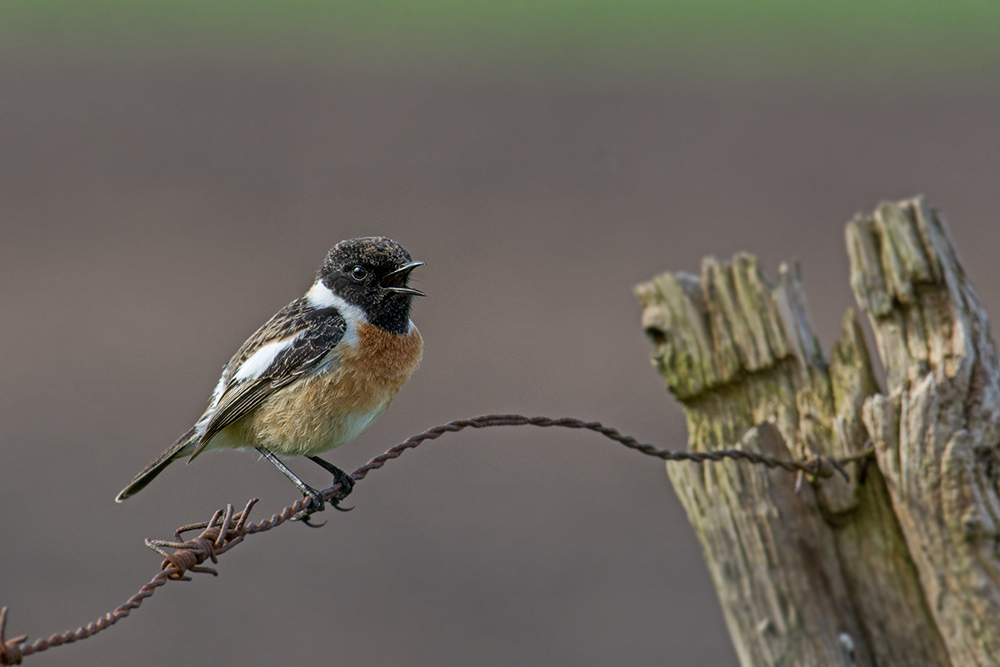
372 273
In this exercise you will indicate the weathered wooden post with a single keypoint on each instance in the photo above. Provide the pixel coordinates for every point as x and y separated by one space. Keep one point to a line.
900 565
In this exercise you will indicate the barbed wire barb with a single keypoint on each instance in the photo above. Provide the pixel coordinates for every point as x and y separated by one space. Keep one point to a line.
228 528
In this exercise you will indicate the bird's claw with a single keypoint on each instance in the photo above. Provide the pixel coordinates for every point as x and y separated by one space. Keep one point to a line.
335 504
346 483
305 522
346 486
316 505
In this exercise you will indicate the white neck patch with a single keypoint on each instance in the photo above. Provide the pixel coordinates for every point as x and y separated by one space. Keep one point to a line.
320 296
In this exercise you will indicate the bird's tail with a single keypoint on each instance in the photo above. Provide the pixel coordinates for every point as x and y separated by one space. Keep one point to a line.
184 445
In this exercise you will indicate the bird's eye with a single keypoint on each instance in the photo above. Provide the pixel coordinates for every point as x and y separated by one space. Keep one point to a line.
358 273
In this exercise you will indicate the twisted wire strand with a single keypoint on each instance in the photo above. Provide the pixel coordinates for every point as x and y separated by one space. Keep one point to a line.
227 528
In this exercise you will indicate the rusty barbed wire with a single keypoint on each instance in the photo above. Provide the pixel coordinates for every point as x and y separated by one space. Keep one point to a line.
227 528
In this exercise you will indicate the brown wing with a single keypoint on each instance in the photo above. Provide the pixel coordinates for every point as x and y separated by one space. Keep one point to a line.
313 334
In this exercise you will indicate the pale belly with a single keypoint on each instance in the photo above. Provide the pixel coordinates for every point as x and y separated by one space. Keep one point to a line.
301 422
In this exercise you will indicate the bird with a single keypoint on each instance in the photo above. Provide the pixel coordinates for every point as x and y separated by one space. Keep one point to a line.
318 373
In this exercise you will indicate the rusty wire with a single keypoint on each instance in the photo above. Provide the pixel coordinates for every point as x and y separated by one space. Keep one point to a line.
227 528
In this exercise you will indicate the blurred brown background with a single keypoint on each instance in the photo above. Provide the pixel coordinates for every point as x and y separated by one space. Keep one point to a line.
154 211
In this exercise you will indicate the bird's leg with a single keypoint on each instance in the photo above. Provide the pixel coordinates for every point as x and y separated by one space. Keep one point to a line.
317 504
339 477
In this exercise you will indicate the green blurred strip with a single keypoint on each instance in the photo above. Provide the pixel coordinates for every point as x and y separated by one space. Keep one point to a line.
941 35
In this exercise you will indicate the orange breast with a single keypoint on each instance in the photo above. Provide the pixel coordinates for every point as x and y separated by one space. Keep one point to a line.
318 413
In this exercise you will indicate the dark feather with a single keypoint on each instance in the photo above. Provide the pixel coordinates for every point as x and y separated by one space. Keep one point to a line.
173 452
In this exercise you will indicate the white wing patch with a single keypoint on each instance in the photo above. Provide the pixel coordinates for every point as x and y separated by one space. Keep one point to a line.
261 360
219 388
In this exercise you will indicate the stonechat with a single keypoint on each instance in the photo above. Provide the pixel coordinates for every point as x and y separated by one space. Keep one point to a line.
319 372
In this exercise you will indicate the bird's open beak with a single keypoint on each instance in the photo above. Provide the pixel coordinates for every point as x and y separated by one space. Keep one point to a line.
396 281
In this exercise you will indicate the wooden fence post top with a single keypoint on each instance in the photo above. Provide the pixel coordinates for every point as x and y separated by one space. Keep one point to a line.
911 572
937 431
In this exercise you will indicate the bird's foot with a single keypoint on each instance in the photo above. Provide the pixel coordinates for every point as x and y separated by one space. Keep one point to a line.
340 477
346 486
316 505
